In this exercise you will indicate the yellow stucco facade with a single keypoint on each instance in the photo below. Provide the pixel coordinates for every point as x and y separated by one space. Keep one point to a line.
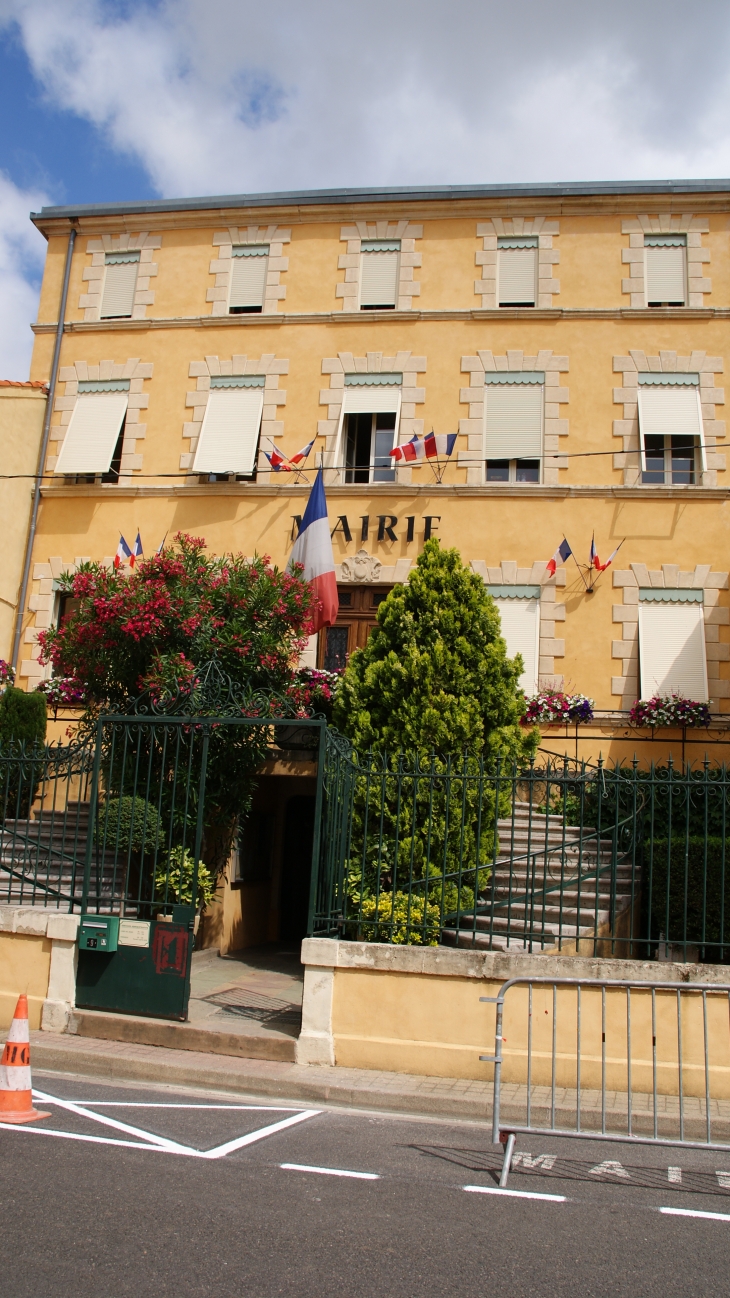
589 341
22 409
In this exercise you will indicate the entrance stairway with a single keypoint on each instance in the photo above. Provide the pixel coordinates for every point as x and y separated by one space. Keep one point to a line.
43 856
551 886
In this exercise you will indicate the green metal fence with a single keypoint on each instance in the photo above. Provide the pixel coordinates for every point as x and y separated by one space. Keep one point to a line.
561 855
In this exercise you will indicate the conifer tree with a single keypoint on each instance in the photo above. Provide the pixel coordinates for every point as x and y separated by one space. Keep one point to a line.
432 706
435 675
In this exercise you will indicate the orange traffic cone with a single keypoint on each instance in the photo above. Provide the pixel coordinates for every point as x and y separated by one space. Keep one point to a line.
16 1097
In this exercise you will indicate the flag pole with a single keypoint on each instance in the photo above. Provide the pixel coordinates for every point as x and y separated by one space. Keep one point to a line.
575 561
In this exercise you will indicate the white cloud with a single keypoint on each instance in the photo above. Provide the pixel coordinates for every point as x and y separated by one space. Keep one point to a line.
22 251
232 96
225 96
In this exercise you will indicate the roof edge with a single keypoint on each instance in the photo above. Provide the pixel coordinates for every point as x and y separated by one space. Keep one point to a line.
414 193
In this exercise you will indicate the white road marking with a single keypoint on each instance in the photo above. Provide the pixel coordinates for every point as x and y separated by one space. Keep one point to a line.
77 1135
173 1146
514 1194
136 1104
689 1212
330 1171
151 1139
674 1174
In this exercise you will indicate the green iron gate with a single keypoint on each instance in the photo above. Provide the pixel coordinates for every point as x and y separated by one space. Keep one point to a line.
167 792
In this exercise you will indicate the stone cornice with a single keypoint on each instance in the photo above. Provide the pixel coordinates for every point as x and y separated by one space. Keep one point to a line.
401 317
352 208
395 491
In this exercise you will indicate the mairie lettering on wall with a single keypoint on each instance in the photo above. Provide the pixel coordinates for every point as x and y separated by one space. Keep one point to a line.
379 528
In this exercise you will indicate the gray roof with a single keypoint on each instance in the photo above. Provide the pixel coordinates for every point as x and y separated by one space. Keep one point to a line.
411 194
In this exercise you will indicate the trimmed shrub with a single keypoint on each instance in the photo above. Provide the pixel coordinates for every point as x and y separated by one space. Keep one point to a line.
22 717
693 875
129 824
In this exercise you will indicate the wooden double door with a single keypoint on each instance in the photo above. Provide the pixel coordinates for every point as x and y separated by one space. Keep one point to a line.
357 616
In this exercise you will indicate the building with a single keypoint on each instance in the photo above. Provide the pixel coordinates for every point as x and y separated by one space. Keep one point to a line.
574 337
22 410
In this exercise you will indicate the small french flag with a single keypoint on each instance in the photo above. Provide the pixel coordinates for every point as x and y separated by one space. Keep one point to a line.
429 447
277 460
603 566
123 552
594 561
301 456
562 553
137 552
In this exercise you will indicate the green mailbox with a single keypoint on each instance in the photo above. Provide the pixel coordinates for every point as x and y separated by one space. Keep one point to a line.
99 933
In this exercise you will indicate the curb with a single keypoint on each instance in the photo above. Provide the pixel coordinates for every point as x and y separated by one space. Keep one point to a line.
351 1088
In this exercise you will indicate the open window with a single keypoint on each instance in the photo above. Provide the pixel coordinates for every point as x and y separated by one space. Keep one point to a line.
248 278
517 271
369 427
94 438
520 615
120 283
672 658
666 269
514 404
670 429
229 434
379 271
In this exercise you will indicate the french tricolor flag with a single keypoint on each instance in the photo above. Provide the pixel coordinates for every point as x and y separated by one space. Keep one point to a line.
562 553
123 552
313 549
276 459
138 552
430 447
301 456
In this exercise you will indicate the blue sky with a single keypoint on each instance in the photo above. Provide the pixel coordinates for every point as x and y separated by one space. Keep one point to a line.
104 100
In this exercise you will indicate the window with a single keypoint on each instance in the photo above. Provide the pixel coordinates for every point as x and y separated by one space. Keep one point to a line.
520 615
370 417
672 644
120 282
248 278
229 434
670 427
517 271
666 256
379 271
513 426
93 441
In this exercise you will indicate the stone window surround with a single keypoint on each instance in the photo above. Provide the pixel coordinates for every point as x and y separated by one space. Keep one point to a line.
669 577
353 235
693 226
337 367
553 426
41 604
225 241
271 366
81 372
508 574
145 243
667 362
513 227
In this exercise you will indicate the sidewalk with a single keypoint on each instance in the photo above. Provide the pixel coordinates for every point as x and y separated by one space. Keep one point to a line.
440 1097
351 1087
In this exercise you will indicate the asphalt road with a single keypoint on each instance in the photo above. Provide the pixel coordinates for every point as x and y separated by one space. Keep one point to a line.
195 1201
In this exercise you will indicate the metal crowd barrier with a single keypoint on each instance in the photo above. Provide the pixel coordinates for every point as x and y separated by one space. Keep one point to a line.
611 1059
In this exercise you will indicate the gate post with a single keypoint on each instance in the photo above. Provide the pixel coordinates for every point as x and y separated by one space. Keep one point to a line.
314 875
92 821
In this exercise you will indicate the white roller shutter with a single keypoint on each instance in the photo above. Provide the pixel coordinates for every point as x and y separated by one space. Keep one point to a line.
670 410
665 274
517 275
92 433
371 401
521 630
120 281
248 280
672 650
514 421
379 279
230 431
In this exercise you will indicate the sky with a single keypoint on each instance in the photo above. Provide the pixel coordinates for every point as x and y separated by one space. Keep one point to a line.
113 100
